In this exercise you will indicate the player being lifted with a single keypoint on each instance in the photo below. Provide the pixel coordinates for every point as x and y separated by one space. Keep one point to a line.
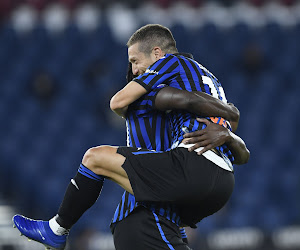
198 185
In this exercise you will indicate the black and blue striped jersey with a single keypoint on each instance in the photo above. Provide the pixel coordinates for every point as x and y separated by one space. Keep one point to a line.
187 74
146 128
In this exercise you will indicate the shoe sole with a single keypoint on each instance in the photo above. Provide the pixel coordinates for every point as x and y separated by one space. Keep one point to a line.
47 247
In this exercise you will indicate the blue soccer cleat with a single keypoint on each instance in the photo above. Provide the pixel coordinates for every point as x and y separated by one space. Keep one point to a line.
39 231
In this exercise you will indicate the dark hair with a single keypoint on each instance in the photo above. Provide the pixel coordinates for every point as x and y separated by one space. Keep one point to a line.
152 35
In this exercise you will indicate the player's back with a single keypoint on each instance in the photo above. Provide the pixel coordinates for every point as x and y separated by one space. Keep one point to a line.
178 71
193 76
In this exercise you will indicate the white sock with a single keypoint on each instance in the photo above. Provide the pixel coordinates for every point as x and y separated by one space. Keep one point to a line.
56 228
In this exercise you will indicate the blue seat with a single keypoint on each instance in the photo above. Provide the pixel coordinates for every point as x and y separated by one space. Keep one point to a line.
240 218
235 86
184 42
271 218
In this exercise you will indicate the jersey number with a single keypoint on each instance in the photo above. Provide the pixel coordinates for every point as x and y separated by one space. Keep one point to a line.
216 91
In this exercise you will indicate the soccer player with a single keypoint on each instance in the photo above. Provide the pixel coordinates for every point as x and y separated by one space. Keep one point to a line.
140 229
158 77
190 172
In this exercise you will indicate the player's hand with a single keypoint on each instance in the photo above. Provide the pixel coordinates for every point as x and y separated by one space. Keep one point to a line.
210 137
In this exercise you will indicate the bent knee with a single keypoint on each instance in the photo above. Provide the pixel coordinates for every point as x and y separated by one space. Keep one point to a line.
93 155
94 159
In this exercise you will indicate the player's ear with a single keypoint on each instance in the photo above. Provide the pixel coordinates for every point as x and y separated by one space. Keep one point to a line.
158 53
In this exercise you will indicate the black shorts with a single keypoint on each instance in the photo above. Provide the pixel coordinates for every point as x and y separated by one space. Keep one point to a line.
144 230
196 185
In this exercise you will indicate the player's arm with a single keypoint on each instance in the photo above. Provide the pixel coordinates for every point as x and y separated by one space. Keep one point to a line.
205 105
198 103
130 93
134 90
216 135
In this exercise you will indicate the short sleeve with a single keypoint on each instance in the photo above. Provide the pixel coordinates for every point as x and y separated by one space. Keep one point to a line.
152 95
146 103
161 72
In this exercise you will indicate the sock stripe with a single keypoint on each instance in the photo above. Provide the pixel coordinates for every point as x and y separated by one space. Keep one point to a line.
89 173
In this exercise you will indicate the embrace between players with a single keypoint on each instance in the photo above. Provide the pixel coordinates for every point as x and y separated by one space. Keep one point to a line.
177 168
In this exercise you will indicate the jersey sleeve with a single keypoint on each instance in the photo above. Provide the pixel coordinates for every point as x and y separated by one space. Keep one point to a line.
146 103
160 72
152 95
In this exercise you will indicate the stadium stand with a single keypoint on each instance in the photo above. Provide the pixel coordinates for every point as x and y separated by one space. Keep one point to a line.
44 134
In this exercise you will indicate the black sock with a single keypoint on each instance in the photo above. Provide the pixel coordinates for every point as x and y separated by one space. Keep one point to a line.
82 192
